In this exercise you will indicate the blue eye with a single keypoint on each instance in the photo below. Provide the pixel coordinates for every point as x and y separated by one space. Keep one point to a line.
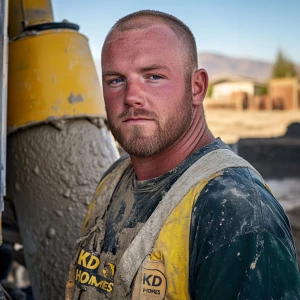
155 77
116 81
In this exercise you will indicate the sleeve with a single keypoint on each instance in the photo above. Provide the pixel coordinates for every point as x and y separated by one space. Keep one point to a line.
240 243
257 265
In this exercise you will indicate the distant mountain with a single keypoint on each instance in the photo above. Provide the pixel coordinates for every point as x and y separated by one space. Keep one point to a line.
218 65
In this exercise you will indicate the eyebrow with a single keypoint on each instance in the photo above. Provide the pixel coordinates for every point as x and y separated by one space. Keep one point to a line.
143 69
154 67
111 73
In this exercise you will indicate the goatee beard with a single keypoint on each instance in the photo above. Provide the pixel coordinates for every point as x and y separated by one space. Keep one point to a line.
137 144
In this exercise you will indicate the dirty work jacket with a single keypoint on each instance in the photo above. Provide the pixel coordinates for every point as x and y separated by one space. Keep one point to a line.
227 230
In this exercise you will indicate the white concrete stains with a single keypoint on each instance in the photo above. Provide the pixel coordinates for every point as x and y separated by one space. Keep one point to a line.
259 249
222 220
238 193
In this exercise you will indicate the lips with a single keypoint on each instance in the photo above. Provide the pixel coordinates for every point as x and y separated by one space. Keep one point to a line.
137 119
137 115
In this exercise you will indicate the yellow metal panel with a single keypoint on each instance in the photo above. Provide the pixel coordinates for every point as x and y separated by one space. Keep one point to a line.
52 75
23 13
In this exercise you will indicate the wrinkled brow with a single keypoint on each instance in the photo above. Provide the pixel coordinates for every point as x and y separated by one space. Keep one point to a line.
142 70
154 67
111 73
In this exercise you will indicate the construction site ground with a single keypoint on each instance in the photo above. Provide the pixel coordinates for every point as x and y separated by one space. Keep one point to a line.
231 125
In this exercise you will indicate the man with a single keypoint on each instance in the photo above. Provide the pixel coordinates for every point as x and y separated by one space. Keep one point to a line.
183 217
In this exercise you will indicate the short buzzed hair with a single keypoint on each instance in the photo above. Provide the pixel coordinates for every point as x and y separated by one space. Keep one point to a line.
138 20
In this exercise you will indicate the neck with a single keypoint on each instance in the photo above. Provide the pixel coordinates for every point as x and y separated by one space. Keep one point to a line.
195 138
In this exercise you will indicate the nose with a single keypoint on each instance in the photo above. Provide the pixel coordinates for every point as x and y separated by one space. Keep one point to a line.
134 95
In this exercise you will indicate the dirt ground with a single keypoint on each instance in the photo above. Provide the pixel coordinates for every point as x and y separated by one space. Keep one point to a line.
232 125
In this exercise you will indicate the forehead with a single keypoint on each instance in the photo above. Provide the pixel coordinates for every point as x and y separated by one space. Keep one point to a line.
148 23
157 39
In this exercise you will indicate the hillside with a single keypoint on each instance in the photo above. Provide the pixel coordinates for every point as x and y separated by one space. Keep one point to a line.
218 65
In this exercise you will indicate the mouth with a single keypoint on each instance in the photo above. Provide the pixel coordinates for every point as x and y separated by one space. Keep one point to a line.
136 120
137 116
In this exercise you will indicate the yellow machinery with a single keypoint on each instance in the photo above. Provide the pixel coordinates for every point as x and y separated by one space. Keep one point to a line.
58 145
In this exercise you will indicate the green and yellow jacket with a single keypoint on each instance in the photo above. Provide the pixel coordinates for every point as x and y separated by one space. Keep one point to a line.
226 237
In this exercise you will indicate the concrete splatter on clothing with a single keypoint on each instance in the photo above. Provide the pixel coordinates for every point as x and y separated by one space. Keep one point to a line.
227 239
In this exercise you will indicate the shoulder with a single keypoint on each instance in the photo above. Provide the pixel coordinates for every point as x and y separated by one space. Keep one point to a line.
104 191
237 229
118 163
235 203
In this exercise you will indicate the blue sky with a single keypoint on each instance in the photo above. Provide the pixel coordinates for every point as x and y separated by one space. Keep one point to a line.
252 29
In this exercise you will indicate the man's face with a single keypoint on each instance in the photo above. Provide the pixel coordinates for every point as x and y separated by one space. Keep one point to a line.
147 95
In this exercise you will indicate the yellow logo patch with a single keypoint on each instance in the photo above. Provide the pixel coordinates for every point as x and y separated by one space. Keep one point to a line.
150 282
87 272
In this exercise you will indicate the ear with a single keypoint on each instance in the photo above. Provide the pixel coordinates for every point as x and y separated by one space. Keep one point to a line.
199 86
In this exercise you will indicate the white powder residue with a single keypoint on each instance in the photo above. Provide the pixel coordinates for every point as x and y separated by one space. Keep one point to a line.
253 265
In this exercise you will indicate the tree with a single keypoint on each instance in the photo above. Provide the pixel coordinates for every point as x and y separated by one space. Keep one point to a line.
262 90
283 67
